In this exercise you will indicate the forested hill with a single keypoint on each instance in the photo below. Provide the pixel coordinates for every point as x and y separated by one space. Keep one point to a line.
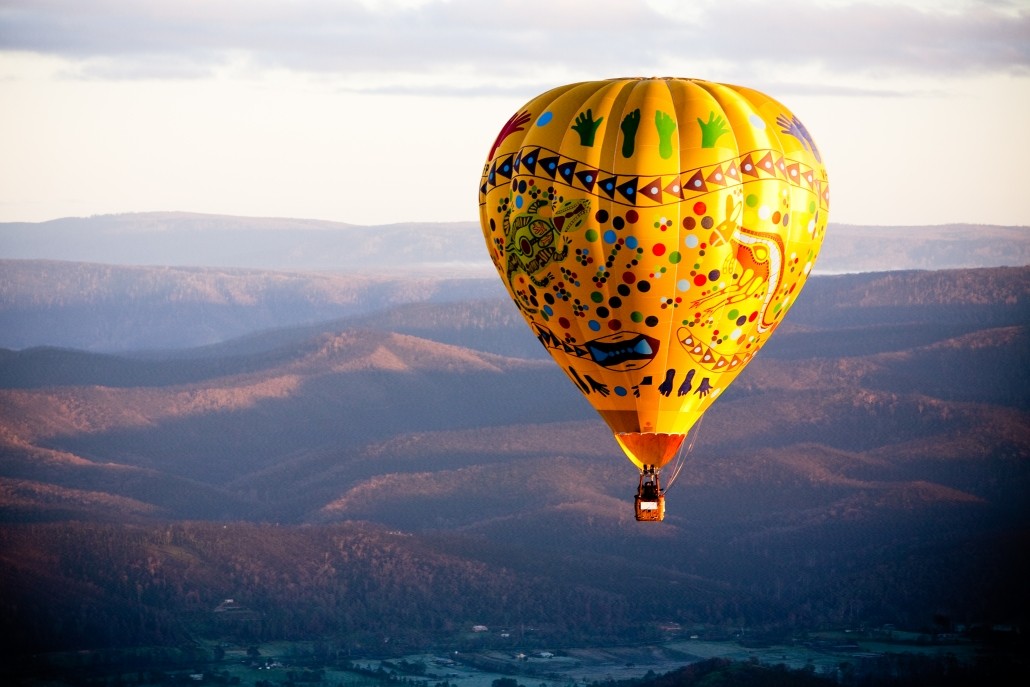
116 309
869 467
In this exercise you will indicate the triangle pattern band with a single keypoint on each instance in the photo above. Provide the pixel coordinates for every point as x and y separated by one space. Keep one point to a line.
650 190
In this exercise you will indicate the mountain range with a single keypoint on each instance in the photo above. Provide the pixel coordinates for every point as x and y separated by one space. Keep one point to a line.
397 250
411 470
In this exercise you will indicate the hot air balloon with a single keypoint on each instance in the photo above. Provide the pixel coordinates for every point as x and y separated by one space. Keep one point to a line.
653 232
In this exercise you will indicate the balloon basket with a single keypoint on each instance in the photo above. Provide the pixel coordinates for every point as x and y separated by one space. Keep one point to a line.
649 503
650 510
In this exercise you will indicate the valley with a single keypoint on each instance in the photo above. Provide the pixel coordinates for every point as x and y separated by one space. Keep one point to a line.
423 469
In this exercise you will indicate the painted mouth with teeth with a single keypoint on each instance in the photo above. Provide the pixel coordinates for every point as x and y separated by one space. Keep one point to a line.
620 352
623 351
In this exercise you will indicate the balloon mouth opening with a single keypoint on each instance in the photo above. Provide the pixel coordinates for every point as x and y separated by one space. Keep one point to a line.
650 448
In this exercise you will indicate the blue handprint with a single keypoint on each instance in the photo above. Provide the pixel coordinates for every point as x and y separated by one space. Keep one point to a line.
686 385
795 128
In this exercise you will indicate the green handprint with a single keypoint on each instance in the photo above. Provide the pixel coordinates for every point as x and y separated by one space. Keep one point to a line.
586 127
712 130
629 132
665 125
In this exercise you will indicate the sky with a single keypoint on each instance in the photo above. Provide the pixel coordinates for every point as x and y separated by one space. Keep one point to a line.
376 112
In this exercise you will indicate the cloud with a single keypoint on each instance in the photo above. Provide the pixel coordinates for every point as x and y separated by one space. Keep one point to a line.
871 38
459 44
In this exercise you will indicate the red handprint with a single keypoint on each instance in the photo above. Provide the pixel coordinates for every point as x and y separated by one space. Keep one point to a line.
515 123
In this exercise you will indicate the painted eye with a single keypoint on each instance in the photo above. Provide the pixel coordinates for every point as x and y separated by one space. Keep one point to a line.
525 246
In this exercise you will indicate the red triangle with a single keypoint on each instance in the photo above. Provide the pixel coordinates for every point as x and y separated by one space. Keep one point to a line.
652 191
696 184
767 165
731 171
794 173
675 188
747 166
716 177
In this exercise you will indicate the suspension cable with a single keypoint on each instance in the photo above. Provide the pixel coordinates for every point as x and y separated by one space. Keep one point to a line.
682 454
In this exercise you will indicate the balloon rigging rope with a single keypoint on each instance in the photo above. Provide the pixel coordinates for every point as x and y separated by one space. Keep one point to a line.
681 456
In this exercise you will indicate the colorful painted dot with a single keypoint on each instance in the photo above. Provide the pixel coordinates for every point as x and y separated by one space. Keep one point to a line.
544 119
658 249
691 241
610 236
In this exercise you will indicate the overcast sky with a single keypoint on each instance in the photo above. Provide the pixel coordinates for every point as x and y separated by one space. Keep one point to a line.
374 112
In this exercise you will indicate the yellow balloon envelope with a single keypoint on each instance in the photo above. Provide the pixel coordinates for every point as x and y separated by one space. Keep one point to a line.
653 233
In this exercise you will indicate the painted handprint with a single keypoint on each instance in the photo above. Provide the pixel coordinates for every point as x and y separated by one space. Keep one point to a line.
795 128
665 388
712 129
686 386
665 125
515 123
598 387
589 385
629 132
586 127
